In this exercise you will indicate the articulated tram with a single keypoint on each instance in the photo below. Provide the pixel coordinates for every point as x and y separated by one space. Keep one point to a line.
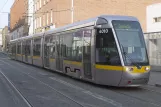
107 50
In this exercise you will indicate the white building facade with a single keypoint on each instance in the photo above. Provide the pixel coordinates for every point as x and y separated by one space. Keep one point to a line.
153 35
154 18
17 33
31 16
0 39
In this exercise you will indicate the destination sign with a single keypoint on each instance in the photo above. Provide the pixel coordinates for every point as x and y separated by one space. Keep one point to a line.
103 31
126 25
123 26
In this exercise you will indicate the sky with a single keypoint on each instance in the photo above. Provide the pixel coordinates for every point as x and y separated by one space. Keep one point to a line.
5 6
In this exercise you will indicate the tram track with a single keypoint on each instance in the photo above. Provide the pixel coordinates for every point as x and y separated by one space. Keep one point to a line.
11 84
151 89
116 91
156 105
121 91
81 105
96 96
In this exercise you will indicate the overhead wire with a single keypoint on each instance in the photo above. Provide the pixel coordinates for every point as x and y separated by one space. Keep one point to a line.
38 12
3 6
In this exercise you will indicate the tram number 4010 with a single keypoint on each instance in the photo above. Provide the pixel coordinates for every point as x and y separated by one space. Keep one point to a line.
102 31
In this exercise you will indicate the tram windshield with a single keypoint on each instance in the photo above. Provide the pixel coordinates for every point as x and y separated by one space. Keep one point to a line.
131 40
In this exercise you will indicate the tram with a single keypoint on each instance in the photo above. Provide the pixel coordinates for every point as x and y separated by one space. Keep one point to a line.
107 50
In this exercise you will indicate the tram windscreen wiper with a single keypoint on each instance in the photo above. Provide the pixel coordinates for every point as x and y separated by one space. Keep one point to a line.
125 54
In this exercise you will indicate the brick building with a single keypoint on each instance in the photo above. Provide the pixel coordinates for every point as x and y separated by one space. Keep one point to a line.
17 12
18 19
52 13
55 13
59 12
0 39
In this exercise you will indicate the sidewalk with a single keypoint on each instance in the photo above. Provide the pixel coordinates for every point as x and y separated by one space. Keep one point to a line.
155 78
156 68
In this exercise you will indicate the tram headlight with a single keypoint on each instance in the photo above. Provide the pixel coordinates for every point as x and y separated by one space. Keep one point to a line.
147 68
129 69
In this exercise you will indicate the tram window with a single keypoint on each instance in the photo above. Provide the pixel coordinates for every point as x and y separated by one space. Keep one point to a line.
106 49
77 45
19 48
49 46
28 47
87 44
72 46
37 47
10 49
68 46
23 47
13 49
52 46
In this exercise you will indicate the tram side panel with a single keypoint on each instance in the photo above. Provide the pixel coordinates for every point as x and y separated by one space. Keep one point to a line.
19 51
12 51
108 66
51 53
23 50
48 51
27 55
29 51
52 57
37 52
72 53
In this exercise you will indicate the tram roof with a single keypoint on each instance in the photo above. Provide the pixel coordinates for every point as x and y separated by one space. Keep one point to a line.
84 23
90 22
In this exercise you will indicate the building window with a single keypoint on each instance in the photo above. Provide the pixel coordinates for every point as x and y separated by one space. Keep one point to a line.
157 19
47 16
44 2
40 21
35 6
40 4
35 24
51 16
43 20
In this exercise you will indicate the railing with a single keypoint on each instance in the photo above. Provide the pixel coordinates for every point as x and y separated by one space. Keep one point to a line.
153 43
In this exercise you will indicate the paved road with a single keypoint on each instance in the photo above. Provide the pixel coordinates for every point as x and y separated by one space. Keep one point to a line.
42 88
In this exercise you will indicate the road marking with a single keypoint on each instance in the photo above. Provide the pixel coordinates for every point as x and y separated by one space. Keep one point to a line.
105 99
42 73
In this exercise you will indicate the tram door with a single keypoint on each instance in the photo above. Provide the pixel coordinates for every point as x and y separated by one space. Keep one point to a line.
59 58
26 51
47 52
87 53
14 50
